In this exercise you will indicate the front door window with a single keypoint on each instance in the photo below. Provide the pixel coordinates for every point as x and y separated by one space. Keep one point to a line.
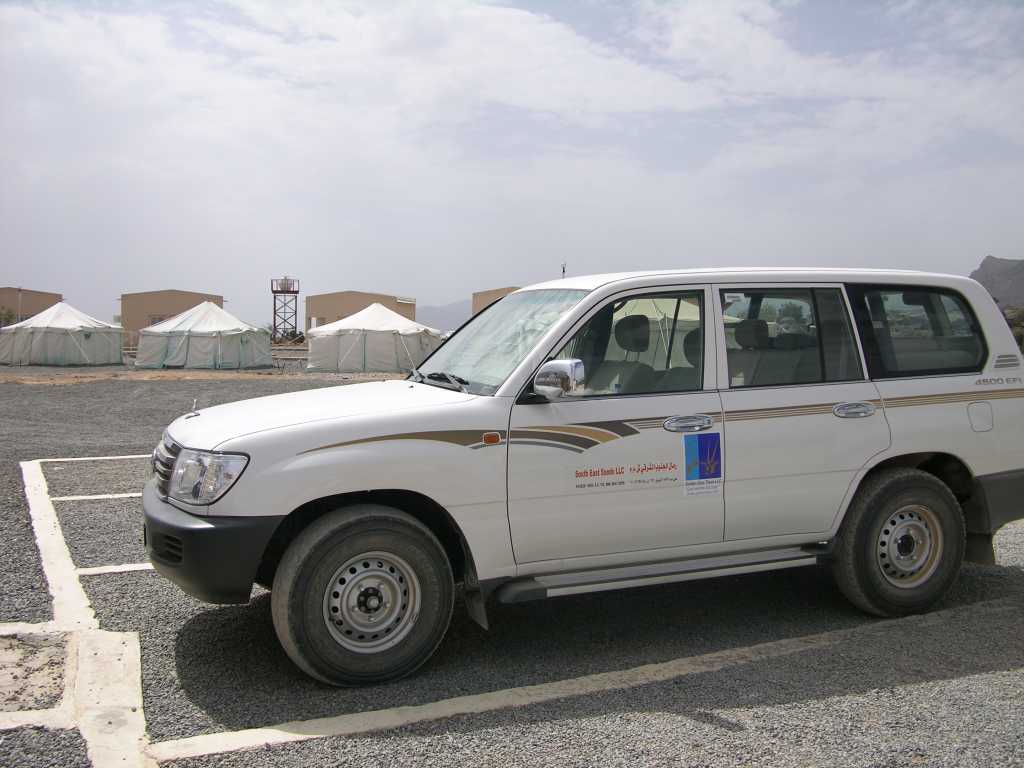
639 345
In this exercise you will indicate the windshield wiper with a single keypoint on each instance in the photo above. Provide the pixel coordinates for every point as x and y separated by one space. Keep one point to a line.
457 382
440 378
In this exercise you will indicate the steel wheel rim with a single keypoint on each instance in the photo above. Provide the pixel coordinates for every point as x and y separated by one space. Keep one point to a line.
908 547
371 602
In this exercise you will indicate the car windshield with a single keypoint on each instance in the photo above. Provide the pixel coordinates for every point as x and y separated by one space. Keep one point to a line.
490 346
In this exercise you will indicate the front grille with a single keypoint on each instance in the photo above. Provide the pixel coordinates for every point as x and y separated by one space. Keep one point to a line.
163 463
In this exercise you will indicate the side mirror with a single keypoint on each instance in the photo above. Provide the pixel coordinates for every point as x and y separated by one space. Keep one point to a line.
559 378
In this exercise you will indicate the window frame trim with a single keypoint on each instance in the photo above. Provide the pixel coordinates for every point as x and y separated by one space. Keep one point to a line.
930 373
709 375
718 289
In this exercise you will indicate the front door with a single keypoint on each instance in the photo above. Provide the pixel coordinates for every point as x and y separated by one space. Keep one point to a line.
801 419
636 462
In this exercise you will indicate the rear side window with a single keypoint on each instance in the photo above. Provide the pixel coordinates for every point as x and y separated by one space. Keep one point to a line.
917 331
776 337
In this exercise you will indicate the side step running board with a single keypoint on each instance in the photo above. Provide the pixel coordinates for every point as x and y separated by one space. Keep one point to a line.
579 582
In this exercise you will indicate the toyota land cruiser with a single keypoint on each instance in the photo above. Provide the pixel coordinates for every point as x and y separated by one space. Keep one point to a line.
607 432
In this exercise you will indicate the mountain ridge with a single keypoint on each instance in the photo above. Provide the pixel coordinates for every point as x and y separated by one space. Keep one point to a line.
1004 279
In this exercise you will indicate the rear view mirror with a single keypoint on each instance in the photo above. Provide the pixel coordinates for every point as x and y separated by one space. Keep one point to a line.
559 378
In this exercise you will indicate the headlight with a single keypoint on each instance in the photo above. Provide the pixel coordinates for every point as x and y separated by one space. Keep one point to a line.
202 478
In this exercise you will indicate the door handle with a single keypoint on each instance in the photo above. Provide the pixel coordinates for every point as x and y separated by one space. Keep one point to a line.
853 410
696 423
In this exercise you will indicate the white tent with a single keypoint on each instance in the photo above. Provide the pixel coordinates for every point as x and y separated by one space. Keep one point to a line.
60 335
374 339
203 337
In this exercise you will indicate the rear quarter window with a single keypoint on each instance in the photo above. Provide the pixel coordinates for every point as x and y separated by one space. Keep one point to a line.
917 331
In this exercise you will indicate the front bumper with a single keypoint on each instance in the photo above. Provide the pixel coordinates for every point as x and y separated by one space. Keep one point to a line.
211 558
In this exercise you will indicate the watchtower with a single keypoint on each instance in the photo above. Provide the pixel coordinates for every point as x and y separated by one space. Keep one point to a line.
286 307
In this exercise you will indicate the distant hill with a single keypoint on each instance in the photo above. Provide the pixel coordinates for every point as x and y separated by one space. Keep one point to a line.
446 317
1004 279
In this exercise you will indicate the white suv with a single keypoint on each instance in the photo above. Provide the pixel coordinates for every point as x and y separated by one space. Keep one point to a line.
607 432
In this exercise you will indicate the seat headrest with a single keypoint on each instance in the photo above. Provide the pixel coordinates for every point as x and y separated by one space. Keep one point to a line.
752 334
633 333
693 347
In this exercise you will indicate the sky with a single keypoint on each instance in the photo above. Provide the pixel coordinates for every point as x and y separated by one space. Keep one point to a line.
433 149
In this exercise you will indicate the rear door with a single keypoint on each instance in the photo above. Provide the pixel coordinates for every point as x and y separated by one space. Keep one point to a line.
611 472
942 386
800 416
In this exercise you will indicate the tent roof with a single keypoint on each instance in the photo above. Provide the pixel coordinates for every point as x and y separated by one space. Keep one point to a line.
375 317
202 318
62 316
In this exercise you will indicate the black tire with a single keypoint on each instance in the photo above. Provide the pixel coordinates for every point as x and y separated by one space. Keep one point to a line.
866 539
300 598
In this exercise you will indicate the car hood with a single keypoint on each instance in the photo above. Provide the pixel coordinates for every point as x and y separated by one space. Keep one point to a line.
209 427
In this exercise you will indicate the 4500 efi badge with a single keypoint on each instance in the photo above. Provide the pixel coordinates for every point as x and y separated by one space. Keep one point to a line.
608 432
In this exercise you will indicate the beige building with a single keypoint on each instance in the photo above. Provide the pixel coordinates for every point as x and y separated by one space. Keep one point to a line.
23 303
323 308
483 299
140 310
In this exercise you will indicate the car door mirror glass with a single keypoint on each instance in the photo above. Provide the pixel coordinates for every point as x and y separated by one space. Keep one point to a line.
559 378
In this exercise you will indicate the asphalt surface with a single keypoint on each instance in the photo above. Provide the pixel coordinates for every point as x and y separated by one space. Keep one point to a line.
945 689
42 748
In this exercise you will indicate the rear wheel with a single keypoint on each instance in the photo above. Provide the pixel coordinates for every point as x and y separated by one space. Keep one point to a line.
362 595
901 545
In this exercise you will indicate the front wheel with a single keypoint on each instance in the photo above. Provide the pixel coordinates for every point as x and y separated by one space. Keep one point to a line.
901 545
362 595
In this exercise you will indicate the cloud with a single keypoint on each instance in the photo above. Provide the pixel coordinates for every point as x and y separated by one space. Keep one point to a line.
437 148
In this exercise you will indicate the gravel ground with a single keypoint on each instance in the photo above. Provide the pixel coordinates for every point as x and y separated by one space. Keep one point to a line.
220 668
714 721
96 418
120 520
42 748
31 671
940 690
937 690
88 478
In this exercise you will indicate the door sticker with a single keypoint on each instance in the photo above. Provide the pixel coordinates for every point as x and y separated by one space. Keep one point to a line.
702 455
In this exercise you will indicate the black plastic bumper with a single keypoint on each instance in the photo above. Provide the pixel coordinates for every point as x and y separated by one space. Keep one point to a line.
212 558
1000 501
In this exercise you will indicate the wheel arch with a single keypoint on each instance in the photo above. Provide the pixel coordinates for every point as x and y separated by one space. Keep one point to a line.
424 509
957 475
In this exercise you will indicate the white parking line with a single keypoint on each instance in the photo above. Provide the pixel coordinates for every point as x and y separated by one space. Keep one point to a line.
90 497
27 628
71 609
99 458
108 699
103 691
99 570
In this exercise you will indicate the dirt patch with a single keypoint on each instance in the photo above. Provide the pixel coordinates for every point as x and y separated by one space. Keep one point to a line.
31 671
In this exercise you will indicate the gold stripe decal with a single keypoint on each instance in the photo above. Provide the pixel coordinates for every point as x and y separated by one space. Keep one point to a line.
469 438
584 436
